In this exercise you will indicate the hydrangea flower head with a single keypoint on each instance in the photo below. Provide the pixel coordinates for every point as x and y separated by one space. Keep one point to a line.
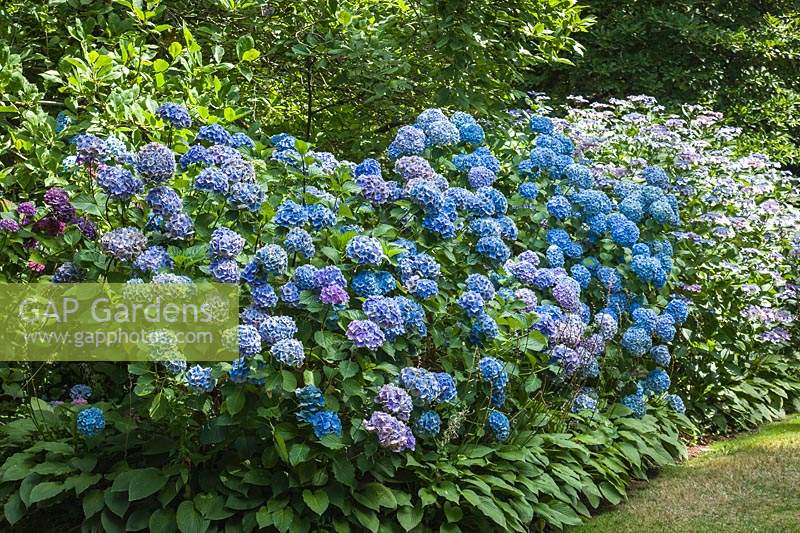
91 421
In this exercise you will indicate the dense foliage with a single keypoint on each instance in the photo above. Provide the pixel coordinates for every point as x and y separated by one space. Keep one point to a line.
739 253
738 57
314 68
432 324
487 323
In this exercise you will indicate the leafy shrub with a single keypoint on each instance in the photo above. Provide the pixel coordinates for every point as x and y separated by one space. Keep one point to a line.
321 68
733 56
738 255
397 355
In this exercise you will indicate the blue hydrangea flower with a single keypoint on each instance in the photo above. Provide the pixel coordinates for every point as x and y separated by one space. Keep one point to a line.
471 302
153 259
559 207
584 402
555 257
63 121
493 372
119 183
447 387
678 309
408 140
660 355
123 244
482 285
282 141
665 328
325 423
224 270
290 214
225 243
299 240
579 176
155 163
425 288
240 370
290 294
675 402
304 277
215 134
483 328
80 392
176 114
164 201
395 401
499 425
242 140
320 216
309 401
442 133
238 170
471 133
289 352
273 259
493 248
329 275
655 176
199 379
636 341
249 196
540 124
528 190
365 334
264 296
195 155
68 273
365 250
429 424
179 226
277 328
91 421
635 402
420 384
657 382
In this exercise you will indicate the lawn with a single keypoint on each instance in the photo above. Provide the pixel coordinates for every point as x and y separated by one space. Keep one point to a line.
750 483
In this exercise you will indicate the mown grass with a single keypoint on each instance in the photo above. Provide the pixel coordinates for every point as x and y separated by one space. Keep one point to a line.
747 484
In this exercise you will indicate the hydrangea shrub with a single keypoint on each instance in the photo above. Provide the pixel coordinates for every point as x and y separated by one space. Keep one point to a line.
433 318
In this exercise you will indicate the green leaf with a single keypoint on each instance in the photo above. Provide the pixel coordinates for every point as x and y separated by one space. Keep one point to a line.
235 402
298 454
159 65
368 519
163 521
344 472
317 500
409 517
138 520
117 502
344 17
375 496
145 482
453 512
93 503
189 520
13 509
251 55
175 49
46 490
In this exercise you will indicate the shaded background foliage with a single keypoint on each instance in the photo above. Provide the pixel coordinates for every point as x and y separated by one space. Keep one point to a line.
737 57
296 66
